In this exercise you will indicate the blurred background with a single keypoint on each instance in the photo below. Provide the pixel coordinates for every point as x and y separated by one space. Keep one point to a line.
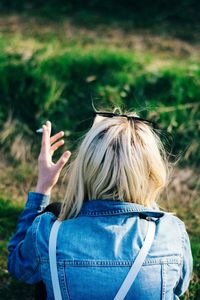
58 57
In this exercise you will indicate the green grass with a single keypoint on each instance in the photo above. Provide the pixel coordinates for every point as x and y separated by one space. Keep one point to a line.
56 81
54 61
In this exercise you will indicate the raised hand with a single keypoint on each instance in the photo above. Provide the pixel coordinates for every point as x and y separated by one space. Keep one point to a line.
48 171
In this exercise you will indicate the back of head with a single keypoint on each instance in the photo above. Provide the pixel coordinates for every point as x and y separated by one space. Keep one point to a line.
119 158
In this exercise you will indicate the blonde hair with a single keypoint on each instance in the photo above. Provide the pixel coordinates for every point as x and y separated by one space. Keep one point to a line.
118 159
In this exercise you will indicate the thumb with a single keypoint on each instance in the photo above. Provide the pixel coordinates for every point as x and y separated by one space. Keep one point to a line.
63 160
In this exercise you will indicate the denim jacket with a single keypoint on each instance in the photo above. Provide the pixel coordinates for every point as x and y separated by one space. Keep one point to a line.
96 249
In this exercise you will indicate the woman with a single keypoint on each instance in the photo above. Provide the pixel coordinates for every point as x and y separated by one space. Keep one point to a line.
113 183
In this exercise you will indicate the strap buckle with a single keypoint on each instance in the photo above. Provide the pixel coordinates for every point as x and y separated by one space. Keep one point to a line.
151 216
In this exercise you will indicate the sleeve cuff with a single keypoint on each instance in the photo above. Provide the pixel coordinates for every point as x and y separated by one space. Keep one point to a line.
37 201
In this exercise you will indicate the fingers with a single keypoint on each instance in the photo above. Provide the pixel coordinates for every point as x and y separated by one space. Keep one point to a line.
45 141
63 160
56 146
53 139
48 124
47 148
57 136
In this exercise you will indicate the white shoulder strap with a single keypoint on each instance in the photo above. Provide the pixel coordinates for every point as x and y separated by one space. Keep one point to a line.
52 260
122 292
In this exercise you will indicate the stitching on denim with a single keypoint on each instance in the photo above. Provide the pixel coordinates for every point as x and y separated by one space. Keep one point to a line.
64 281
181 227
35 230
36 200
67 283
169 260
164 279
113 212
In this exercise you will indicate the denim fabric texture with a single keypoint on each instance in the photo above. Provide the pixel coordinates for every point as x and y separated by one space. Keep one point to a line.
96 249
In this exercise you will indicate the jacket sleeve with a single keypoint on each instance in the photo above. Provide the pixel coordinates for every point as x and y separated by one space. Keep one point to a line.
187 264
23 258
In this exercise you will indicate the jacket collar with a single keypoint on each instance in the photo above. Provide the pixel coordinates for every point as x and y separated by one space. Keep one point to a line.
100 207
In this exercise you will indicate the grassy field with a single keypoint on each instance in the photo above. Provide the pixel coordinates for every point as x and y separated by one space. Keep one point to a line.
55 69
51 68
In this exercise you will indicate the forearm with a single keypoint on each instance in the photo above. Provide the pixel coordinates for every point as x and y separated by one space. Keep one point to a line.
35 203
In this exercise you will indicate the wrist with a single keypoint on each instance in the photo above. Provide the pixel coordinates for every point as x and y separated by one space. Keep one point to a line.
43 190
